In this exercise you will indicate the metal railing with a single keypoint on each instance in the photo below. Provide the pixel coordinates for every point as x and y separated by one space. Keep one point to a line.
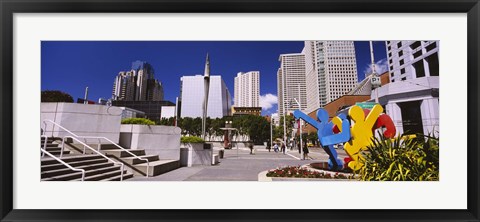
75 137
44 151
99 138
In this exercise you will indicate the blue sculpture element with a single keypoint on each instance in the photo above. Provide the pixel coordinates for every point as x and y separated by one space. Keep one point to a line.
326 136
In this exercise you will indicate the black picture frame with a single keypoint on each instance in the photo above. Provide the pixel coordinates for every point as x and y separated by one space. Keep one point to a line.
9 7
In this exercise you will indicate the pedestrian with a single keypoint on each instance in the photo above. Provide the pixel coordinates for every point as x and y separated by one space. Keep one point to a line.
283 148
268 147
275 148
250 146
298 147
305 152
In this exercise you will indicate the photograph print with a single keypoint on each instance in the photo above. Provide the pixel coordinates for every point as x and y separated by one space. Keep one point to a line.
313 110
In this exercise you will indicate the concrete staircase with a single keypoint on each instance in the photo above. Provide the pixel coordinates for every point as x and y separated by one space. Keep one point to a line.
96 168
139 167
53 147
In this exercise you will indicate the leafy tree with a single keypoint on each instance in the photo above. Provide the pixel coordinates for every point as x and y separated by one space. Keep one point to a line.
289 125
55 96
167 121
256 127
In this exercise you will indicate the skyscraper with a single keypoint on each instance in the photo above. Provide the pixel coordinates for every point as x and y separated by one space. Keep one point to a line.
331 71
137 84
412 59
192 88
247 89
291 82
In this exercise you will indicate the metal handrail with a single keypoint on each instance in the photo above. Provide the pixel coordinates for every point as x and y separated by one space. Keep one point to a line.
98 145
74 137
44 143
123 149
101 154
62 162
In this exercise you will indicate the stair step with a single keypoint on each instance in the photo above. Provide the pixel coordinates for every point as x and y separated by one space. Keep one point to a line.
51 149
57 152
135 160
48 160
74 164
158 167
66 170
117 178
105 175
121 153
50 145
89 175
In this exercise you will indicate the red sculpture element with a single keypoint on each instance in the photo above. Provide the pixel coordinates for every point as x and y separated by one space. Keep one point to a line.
385 121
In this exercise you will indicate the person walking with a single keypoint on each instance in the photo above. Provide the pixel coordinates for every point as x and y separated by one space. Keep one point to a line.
305 152
283 148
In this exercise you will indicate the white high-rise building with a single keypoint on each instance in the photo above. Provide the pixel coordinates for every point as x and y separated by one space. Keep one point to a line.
191 97
247 89
291 82
412 59
411 98
331 71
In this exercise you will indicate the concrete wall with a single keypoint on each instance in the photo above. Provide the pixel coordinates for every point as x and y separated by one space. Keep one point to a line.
163 141
195 154
82 119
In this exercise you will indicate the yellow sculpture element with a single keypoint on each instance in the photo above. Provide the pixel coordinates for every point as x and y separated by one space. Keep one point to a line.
361 133
337 122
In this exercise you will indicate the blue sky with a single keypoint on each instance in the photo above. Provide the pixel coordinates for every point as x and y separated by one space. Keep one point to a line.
70 66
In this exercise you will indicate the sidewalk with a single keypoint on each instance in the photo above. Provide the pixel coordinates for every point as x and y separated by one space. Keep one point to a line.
238 165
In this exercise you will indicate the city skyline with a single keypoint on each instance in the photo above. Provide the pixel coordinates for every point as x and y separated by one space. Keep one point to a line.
96 63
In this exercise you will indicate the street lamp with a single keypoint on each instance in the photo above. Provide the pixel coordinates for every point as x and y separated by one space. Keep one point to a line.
301 141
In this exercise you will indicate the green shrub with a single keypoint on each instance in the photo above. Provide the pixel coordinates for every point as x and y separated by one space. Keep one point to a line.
140 121
191 139
412 159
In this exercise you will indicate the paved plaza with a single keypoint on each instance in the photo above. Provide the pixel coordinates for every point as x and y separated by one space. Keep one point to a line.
240 165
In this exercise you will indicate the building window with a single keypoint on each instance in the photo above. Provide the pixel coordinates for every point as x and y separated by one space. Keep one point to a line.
404 78
402 62
433 66
400 53
431 46
399 44
391 68
402 71
417 54
419 68
389 48
390 61
415 45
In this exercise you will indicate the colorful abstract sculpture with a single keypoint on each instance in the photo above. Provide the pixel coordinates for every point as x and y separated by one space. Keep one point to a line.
356 138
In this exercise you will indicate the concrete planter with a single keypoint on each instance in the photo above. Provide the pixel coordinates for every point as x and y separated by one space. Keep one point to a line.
163 141
196 154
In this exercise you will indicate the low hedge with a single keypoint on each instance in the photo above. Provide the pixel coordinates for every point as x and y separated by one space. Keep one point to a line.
191 139
139 121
